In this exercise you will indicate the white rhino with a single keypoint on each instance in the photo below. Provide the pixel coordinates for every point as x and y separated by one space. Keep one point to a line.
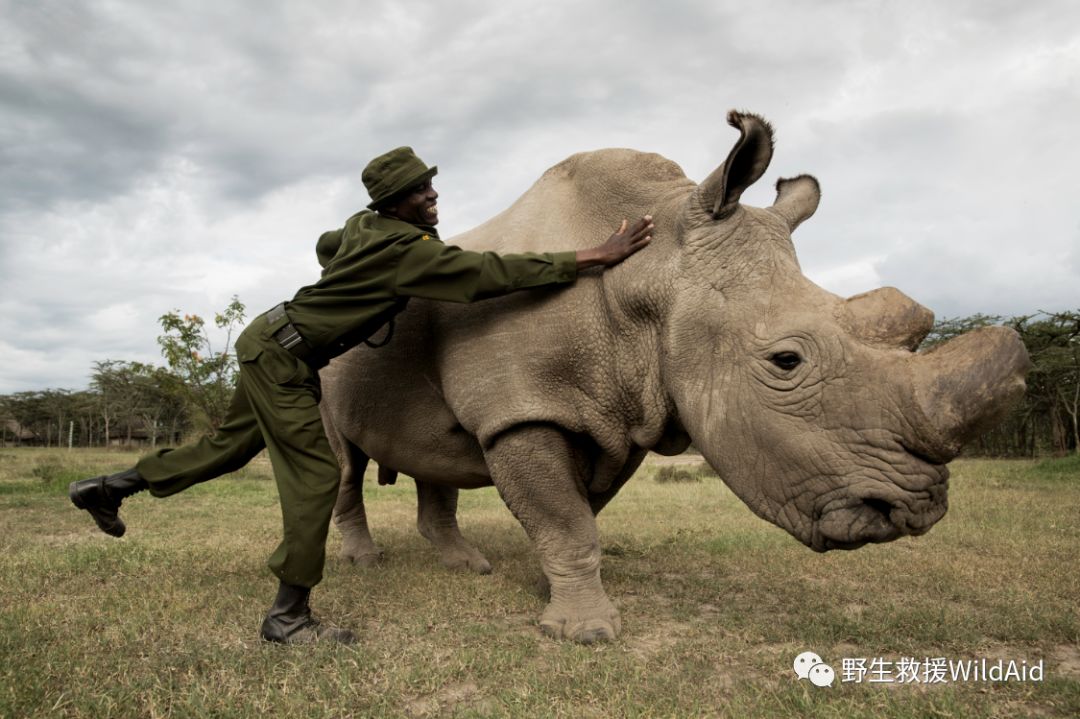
816 410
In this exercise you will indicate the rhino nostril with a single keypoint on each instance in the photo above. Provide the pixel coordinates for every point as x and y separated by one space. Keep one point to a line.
879 505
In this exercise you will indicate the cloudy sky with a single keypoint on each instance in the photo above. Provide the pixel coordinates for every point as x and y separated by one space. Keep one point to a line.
158 156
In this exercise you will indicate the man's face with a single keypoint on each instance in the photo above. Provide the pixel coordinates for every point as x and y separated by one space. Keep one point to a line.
418 207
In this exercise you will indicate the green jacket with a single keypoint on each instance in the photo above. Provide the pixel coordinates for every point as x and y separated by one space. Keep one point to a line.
382 262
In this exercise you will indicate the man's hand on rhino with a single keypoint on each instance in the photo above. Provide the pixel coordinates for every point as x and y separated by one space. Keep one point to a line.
619 246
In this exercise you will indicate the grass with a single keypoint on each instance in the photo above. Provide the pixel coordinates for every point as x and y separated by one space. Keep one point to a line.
716 604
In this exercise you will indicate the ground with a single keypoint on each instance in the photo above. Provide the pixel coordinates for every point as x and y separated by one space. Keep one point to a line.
715 602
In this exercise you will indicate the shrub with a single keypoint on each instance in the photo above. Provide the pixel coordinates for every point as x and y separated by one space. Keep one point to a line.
684 473
673 473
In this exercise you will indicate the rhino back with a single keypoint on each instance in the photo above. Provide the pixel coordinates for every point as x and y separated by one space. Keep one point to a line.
580 201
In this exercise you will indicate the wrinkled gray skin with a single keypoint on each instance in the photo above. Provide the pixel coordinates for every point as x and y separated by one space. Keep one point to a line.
555 395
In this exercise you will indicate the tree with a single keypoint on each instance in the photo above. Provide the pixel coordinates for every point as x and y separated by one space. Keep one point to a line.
137 397
84 408
208 377
159 401
56 405
109 380
1053 342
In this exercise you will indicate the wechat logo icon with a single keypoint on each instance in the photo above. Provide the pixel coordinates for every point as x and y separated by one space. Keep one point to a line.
809 666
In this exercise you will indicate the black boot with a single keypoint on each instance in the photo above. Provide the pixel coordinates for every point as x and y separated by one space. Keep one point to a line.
290 621
101 497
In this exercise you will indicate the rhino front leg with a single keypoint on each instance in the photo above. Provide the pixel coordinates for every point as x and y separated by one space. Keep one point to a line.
541 476
350 518
598 501
436 518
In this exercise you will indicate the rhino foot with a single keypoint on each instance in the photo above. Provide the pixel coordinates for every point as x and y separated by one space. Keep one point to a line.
436 519
586 625
362 554
371 559
465 559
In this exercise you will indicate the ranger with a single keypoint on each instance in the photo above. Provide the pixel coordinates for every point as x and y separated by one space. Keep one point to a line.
381 258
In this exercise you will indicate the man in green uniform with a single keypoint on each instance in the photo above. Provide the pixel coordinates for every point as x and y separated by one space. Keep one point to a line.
372 267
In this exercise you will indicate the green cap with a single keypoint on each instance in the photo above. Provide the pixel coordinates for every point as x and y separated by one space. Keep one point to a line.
394 171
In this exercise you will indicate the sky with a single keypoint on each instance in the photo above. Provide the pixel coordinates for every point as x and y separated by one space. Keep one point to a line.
161 156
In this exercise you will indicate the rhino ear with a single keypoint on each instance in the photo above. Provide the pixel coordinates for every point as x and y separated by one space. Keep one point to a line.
720 192
796 199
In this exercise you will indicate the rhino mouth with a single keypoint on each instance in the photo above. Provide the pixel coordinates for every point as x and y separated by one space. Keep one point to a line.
855 519
850 527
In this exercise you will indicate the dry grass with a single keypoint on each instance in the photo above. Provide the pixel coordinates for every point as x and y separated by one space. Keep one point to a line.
716 603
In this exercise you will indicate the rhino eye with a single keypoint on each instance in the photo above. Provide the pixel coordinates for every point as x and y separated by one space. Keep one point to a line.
786 360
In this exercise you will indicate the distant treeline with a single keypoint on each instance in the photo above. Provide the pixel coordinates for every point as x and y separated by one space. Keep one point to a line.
128 403
132 403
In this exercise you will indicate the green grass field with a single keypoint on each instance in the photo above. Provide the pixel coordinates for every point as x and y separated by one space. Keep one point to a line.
715 602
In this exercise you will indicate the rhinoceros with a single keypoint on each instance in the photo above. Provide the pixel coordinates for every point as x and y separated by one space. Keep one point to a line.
817 411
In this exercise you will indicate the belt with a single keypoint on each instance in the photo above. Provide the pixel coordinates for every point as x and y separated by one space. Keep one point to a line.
288 336
291 339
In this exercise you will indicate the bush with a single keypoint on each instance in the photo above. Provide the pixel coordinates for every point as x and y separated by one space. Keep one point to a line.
671 473
684 473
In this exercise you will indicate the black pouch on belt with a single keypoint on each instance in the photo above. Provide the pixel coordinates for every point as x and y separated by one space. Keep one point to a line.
284 333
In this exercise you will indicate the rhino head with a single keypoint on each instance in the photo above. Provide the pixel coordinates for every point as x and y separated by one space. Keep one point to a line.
816 410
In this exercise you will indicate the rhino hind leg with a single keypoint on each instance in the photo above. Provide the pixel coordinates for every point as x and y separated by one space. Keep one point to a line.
542 477
436 518
357 546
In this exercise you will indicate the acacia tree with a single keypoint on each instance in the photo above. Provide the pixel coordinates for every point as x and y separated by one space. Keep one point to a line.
56 406
158 404
208 376
133 396
1053 342
84 408
111 385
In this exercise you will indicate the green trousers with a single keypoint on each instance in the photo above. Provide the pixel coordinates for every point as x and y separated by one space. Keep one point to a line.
276 406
